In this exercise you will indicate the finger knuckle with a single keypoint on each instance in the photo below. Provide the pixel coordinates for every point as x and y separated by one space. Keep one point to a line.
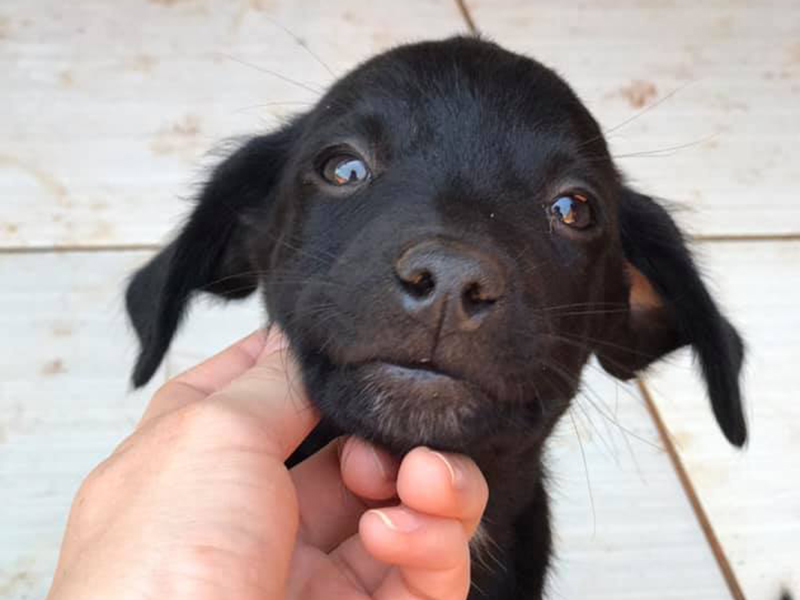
96 484
208 422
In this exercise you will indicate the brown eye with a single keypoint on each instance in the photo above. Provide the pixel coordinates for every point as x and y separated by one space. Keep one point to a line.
345 169
573 210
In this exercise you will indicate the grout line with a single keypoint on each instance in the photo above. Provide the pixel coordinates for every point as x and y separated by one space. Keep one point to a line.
150 247
77 248
465 14
745 237
686 483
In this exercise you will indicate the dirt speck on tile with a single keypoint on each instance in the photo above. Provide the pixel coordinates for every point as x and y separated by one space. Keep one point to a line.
53 367
143 63
103 231
180 138
15 583
793 54
725 26
169 2
65 79
638 93
61 330
46 180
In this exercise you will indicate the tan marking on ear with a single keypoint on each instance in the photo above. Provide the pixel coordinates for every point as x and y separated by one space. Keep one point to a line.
642 294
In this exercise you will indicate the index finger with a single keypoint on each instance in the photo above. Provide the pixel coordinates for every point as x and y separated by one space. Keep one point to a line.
272 396
213 374
255 378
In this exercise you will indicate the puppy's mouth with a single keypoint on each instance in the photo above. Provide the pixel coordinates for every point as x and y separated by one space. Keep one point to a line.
426 371
404 404
429 380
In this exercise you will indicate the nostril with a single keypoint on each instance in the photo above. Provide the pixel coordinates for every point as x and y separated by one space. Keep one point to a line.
475 299
419 284
449 286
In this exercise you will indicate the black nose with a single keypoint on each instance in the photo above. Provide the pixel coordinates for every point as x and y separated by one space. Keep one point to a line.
450 288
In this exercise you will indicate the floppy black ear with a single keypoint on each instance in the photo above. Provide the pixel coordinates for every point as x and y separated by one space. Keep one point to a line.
670 307
210 253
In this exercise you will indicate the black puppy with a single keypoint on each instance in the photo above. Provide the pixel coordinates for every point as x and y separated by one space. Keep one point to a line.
446 241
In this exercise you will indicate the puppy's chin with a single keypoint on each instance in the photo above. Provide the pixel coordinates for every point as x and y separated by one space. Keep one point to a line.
404 406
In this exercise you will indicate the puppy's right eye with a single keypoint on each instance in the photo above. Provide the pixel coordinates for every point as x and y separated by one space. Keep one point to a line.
573 210
345 169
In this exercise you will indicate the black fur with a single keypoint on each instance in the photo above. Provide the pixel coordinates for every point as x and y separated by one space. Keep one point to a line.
653 244
442 302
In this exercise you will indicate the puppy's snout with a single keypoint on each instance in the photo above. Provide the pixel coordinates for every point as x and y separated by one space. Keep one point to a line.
449 288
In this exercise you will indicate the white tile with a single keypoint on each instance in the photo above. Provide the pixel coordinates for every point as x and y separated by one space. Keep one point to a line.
734 69
752 497
109 108
64 398
636 531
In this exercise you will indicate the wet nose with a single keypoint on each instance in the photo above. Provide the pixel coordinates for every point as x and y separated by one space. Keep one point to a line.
449 288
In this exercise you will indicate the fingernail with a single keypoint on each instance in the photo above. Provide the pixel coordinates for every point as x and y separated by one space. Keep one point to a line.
455 473
400 520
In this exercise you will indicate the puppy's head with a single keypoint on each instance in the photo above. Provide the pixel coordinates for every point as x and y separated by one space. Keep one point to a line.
445 239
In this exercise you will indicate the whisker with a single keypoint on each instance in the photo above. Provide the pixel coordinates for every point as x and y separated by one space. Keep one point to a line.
580 305
282 103
666 151
647 108
572 379
300 84
632 454
608 444
477 587
303 45
627 432
274 279
589 341
318 257
586 472
582 386
636 115
580 313
624 430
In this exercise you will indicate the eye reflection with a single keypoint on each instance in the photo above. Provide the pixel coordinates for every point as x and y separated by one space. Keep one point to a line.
344 170
572 210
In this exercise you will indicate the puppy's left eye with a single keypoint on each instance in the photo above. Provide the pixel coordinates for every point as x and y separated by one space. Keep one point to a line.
573 210
345 169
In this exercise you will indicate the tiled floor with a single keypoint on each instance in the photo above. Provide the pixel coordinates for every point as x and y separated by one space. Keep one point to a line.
109 109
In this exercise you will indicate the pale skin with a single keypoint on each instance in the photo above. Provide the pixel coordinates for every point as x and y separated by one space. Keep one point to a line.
197 503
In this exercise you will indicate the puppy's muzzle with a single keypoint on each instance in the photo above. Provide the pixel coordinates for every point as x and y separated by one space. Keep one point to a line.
449 287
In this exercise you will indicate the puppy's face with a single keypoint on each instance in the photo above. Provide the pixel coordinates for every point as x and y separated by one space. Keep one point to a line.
441 267
445 240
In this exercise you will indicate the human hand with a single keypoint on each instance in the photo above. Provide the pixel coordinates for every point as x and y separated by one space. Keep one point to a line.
197 502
